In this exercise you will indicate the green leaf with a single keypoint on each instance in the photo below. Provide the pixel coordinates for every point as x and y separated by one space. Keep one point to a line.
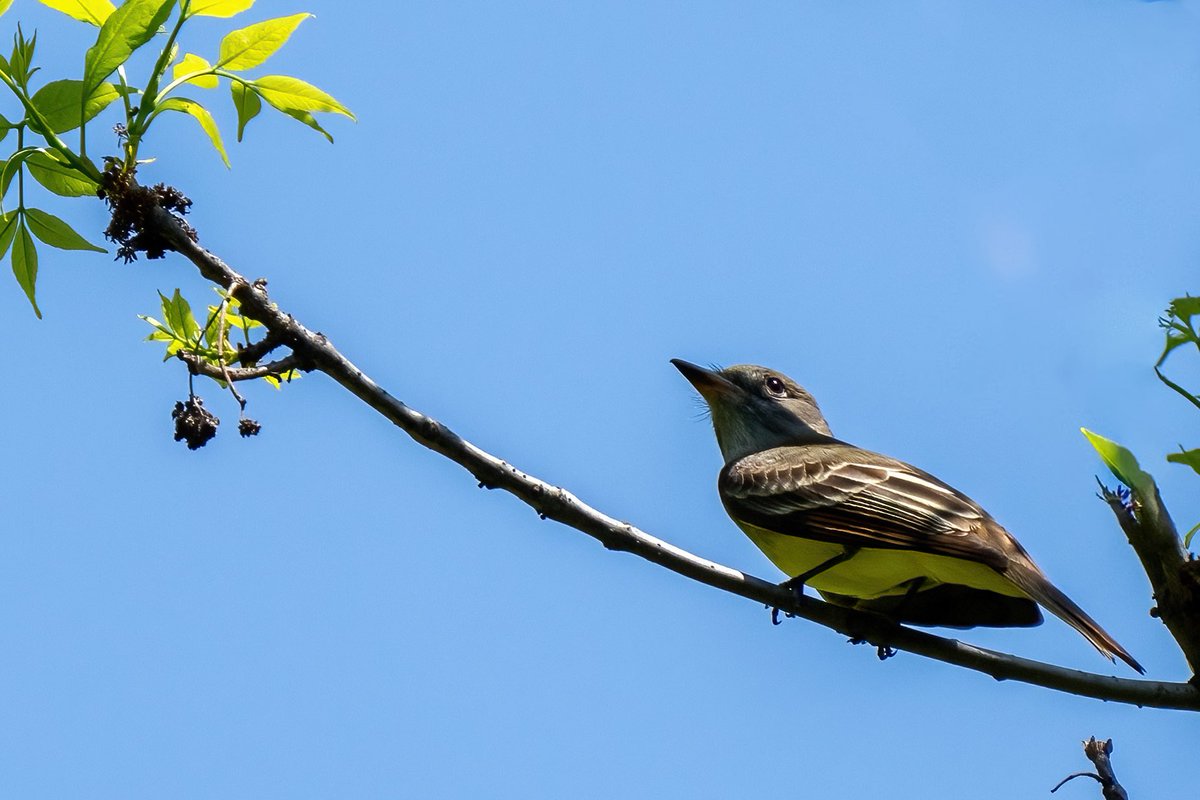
1189 458
172 348
1178 323
178 315
21 58
201 115
212 329
161 332
247 104
62 179
93 12
164 334
311 121
167 310
1175 338
60 102
159 336
8 229
126 29
193 63
218 8
16 62
1187 540
287 377
1122 464
57 233
234 320
1184 308
12 166
25 265
250 46
293 94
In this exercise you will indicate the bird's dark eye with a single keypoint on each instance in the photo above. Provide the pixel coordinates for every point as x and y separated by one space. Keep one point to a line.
775 387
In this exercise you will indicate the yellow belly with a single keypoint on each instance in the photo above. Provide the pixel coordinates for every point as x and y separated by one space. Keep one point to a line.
873 572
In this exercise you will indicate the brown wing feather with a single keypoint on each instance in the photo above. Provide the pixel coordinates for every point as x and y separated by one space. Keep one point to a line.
839 493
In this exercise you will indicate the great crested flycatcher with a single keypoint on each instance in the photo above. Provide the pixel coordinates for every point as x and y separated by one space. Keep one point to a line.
865 530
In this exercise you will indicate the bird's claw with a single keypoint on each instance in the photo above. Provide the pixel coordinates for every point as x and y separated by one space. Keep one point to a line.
775 612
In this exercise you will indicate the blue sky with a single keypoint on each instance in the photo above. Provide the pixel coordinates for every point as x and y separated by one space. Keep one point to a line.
955 223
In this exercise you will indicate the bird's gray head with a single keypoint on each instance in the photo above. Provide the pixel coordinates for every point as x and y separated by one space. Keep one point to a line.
755 408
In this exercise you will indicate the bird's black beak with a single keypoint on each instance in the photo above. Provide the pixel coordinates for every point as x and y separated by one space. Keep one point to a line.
712 385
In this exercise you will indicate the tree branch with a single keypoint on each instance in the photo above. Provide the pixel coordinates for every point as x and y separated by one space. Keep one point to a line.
552 502
1098 753
254 352
1174 578
233 374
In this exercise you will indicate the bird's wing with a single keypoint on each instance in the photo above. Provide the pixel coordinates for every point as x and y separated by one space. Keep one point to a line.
842 494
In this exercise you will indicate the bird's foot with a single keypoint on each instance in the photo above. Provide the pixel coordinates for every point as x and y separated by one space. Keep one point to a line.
775 612
794 586
883 651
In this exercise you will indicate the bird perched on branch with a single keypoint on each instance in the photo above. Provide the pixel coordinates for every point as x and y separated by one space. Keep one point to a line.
865 530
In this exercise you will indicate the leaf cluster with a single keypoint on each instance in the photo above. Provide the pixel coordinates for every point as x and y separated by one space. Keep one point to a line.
1180 332
65 105
213 343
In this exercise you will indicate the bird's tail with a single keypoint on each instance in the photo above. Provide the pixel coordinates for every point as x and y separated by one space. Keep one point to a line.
1031 581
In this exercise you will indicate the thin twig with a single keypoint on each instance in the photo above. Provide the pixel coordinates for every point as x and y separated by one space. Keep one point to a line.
1191 398
560 505
1072 777
241 401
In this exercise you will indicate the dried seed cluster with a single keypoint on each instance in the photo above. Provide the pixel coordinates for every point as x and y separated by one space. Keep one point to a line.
131 205
194 423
